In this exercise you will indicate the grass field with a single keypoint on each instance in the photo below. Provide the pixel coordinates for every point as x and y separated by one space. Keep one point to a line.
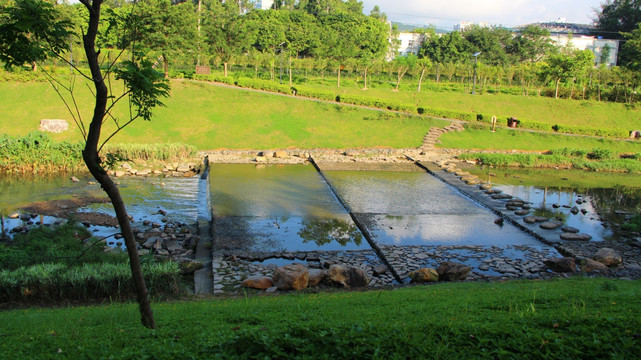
533 108
574 318
481 138
212 117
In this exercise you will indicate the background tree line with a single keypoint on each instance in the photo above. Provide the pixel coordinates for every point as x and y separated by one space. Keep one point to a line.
307 39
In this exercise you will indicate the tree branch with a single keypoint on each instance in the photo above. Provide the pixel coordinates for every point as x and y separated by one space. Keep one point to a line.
117 131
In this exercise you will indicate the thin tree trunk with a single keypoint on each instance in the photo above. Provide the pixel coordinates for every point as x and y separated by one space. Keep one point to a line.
225 68
92 160
339 76
438 72
572 89
165 66
420 80
365 78
290 71
556 93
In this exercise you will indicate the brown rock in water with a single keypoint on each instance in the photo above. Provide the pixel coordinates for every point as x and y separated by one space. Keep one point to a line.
258 282
608 257
565 265
291 277
452 271
424 275
348 276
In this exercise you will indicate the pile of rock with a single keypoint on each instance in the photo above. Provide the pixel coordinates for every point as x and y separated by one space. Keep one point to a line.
299 277
447 271
173 170
602 261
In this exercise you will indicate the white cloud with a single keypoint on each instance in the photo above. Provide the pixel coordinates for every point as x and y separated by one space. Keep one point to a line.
505 12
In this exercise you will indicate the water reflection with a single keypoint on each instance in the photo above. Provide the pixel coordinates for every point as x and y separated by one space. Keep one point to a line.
325 231
401 208
596 196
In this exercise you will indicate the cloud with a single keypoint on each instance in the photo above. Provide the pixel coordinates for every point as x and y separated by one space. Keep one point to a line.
506 12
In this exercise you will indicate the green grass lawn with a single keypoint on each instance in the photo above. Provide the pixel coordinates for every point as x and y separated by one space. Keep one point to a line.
212 117
573 318
482 138
533 108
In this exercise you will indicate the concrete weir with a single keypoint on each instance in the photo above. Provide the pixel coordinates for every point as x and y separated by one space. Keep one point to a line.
358 224
203 277
497 205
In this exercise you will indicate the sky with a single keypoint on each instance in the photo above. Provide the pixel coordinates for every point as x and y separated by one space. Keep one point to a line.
446 13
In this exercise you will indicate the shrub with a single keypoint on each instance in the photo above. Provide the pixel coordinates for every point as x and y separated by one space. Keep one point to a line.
55 281
601 154
37 152
163 152
62 244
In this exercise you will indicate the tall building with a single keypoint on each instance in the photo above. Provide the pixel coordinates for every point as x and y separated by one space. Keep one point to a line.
263 4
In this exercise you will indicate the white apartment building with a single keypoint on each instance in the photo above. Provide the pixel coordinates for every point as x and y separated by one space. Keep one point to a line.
409 43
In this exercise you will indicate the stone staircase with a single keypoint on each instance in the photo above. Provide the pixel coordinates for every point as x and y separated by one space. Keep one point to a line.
430 139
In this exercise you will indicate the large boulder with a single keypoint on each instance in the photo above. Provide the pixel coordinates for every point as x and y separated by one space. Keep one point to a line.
424 275
561 265
452 271
291 277
588 265
316 276
258 282
608 257
347 276
188 266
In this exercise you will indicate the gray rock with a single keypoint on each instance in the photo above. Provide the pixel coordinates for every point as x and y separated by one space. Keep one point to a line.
316 276
380 270
551 225
424 275
569 229
575 237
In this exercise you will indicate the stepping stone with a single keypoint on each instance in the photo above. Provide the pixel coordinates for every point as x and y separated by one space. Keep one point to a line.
570 229
493 191
501 196
521 212
551 225
530 219
575 237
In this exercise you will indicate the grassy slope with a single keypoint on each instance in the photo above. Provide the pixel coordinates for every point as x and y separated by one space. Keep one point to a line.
540 109
575 318
506 139
212 117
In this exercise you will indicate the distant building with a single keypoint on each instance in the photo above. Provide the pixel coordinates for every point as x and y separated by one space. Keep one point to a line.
409 43
466 24
582 37
263 4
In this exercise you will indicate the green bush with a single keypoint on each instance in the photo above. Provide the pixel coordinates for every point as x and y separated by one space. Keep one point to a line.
63 244
583 130
313 93
56 281
36 152
601 154
634 224
163 152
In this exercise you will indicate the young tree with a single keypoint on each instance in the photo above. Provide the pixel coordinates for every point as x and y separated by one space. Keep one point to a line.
565 65
403 64
32 31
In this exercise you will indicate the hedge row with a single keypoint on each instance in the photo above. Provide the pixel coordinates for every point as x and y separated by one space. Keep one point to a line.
272 86
565 129
46 282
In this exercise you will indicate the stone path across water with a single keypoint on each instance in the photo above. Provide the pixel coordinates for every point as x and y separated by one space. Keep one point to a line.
487 263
